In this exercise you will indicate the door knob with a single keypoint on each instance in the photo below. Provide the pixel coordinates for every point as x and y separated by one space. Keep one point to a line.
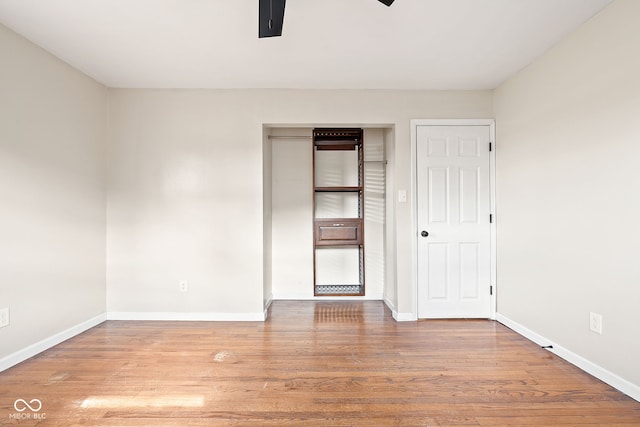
424 233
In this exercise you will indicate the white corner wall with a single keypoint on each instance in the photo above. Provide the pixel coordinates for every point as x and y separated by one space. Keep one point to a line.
390 290
53 125
292 215
186 192
568 195
375 200
267 223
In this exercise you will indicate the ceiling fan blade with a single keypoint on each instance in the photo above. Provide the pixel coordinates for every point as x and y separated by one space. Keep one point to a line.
270 18
387 2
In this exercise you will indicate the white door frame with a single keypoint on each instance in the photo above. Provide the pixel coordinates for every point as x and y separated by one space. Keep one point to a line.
414 199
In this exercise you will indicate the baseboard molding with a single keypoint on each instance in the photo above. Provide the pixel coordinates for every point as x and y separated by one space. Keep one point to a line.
597 371
34 349
399 317
302 296
186 317
266 307
404 317
391 306
307 296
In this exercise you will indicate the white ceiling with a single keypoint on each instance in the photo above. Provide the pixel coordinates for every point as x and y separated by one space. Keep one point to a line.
326 44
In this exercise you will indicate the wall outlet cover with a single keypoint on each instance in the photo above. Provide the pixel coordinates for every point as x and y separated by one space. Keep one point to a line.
595 323
4 317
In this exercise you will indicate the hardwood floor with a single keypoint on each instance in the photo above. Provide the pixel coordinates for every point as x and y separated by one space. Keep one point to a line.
310 364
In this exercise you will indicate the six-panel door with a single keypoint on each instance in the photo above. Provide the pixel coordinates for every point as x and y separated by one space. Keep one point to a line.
453 195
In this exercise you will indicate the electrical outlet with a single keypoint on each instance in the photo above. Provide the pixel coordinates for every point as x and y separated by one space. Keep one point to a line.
595 323
184 287
4 317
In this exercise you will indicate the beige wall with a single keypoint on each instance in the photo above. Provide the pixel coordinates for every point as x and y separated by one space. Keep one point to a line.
53 123
568 195
185 197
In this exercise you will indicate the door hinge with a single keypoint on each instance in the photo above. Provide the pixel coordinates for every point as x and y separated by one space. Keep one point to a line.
491 146
491 290
490 218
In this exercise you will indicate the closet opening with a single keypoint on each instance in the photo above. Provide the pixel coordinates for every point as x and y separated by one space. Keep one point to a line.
291 206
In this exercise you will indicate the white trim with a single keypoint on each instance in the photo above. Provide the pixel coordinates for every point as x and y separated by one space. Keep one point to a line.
414 197
187 317
399 317
452 122
589 367
404 317
494 225
34 349
265 312
414 214
307 296
303 296
389 304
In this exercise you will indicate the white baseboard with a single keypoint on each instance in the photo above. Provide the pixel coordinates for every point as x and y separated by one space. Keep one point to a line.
391 306
308 296
405 317
399 317
293 296
187 317
597 371
265 312
34 349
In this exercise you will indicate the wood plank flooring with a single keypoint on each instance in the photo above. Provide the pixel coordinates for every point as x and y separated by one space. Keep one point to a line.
310 364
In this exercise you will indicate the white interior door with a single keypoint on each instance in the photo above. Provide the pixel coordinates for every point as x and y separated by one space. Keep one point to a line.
454 241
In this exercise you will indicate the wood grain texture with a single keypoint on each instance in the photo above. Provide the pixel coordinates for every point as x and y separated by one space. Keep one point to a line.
311 364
